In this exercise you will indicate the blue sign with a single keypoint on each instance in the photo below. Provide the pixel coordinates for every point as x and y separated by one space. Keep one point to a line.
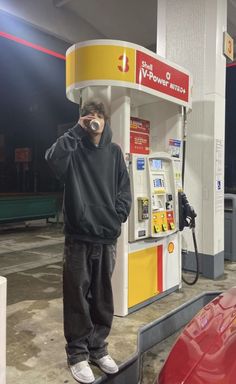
140 164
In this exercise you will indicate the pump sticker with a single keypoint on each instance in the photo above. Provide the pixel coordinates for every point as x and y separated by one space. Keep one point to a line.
139 136
174 148
140 164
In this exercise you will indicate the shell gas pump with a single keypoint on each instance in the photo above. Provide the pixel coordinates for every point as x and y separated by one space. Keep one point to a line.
154 241
153 213
145 96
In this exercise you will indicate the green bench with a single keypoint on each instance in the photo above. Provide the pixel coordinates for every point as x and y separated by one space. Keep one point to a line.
26 207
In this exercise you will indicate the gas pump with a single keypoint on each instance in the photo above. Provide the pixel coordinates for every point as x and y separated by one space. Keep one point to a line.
153 212
153 219
144 95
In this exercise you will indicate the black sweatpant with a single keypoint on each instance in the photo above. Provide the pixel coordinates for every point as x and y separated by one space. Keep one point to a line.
88 299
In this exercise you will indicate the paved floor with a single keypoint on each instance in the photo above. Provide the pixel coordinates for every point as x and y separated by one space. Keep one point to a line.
30 258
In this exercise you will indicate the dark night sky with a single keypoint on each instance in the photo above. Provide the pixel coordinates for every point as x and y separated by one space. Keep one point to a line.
32 103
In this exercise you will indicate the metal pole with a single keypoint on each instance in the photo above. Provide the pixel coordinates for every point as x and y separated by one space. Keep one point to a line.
184 117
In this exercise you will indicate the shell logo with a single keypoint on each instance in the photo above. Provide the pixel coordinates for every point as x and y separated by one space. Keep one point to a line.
171 247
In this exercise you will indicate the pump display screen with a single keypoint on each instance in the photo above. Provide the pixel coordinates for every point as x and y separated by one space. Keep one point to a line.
156 164
158 183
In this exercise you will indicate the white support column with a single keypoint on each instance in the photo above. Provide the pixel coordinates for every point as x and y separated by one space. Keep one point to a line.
161 28
194 39
3 303
120 123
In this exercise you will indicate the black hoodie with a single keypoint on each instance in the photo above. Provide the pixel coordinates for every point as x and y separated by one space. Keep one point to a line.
97 196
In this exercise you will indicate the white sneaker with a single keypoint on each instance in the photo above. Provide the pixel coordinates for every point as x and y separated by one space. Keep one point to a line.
82 372
106 364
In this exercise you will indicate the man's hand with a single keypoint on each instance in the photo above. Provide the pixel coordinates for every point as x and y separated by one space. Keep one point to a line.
84 121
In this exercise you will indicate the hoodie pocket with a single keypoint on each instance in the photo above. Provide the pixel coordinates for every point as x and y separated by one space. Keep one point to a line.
101 221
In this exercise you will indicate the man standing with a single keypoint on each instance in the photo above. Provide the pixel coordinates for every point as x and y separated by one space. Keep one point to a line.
97 200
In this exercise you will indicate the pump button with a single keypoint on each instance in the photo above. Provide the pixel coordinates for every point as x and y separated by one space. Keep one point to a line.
156 228
172 225
164 227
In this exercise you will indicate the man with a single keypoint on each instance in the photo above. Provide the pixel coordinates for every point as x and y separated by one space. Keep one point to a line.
97 200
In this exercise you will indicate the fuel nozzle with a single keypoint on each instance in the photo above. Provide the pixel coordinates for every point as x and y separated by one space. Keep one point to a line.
186 213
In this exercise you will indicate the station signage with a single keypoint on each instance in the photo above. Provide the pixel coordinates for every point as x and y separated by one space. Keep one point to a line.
139 136
107 62
161 77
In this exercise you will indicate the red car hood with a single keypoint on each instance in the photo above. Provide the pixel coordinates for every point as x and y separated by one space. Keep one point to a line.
205 351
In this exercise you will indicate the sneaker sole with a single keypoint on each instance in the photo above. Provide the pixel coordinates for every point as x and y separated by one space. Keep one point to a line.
102 368
80 380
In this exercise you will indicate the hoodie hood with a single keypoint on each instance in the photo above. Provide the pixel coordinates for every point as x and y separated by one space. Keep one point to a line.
105 138
106 135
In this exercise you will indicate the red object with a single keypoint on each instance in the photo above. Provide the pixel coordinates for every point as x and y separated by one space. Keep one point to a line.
205 351
22 155
31 45
170 219
139 125
231 64
139 143
160 268
139 136
161 77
